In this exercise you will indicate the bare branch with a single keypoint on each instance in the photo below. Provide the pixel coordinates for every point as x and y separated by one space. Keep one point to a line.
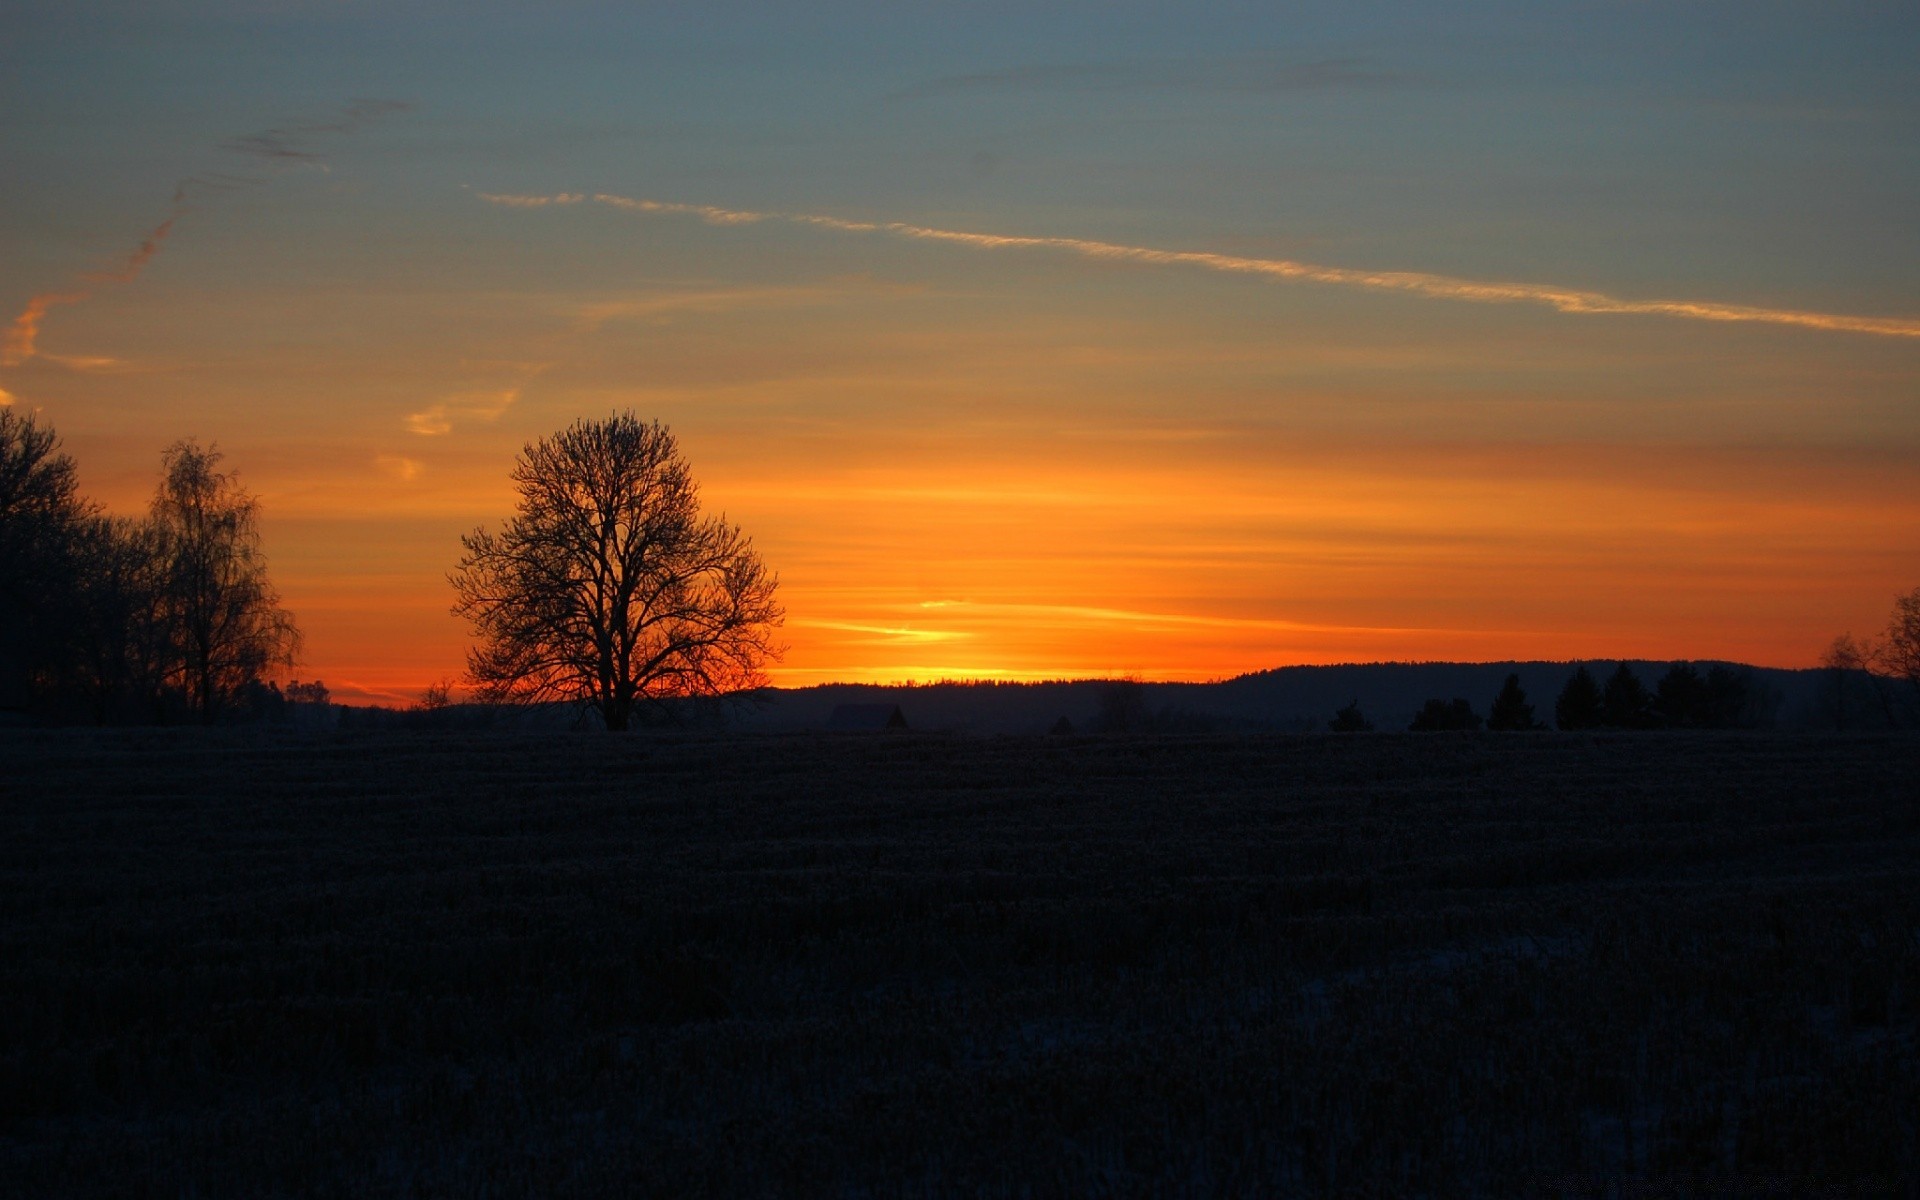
607 587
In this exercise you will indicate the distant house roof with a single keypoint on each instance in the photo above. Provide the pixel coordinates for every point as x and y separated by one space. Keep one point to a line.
866 718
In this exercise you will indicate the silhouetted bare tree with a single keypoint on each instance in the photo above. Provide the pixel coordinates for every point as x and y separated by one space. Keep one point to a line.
608 588
123 648
1899 650
40 511
227 626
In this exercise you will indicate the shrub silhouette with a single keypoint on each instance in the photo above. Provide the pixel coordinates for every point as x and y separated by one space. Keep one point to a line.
1438 715
1123 708
1731 698
1350 720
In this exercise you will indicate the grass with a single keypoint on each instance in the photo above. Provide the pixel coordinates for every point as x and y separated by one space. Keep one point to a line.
417 964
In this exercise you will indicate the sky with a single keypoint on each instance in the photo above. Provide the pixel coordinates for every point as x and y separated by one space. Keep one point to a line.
1024 341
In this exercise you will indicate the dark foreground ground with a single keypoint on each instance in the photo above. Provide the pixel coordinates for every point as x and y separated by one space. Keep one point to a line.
407 964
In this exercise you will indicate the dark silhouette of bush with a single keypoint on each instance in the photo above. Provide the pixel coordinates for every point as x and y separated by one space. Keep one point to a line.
1350 720
1438 716
1579 705
1123 708
1732 700
1624 702
1510 709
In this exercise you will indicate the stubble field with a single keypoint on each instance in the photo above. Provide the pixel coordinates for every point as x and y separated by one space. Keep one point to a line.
236 964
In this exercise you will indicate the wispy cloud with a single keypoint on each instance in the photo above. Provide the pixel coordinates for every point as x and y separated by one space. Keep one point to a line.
504 201
24 334
277 145
1415 283
439 419
398 466
887 634
1077 612
290 142
595 315
130 269
1246 74
101 364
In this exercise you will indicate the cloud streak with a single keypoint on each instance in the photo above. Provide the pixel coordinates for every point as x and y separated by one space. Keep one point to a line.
438 419
1413 283
1248 75
270 146
136 262
24 333
287 143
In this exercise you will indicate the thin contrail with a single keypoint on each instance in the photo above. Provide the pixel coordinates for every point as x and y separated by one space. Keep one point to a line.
23 336
136 262
272 145
1417 283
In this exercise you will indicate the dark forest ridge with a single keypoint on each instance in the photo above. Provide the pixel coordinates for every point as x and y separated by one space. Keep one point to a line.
1296 699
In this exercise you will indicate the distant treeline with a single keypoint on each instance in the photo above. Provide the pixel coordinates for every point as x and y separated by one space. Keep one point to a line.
167 617
1391 696
1720 697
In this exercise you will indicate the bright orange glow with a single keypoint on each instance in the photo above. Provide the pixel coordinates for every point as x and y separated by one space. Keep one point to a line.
1005 571
1026 465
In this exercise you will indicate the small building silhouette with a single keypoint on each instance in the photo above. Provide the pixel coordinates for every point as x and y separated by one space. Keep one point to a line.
1062 726
867 718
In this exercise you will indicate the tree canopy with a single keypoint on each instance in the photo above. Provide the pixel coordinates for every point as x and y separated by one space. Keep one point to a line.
225 617
115 618
608 588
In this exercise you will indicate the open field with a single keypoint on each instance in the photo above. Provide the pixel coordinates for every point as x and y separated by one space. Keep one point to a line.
407 964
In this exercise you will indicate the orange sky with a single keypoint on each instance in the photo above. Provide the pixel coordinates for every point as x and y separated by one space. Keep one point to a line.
980 481
1413 362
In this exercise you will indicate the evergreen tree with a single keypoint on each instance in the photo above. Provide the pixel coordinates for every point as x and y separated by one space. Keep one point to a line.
1579 704
1510 709
1624 702
1681 699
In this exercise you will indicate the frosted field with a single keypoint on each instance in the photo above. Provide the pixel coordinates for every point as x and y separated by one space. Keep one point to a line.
575 964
